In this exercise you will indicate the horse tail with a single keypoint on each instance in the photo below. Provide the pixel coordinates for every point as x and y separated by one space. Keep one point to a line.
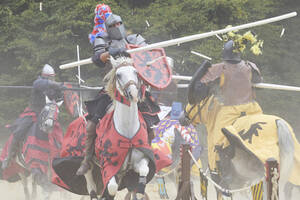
286 147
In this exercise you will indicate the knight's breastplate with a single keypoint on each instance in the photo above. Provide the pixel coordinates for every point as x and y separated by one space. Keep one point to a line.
237 87
135 39
118 43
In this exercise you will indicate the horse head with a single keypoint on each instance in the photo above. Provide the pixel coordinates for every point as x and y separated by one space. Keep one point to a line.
49 115
238 165
123 80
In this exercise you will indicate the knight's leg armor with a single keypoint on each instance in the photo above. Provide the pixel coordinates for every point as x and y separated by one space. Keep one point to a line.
150 121
19 129
89 148
12 153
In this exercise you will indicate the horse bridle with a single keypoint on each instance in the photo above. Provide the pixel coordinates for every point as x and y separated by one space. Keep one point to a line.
131 82
43 115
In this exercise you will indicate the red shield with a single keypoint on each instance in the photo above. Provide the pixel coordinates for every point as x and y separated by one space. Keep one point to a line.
152 67
71 100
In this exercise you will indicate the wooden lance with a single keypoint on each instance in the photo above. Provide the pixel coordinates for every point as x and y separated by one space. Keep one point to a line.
189 38
257 85
81 88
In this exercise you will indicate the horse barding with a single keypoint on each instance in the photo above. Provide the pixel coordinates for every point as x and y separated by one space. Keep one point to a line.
169 136
240 143
41 144
123 158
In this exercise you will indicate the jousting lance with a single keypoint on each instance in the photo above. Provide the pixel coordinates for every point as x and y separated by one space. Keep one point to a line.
257 85
190 38
82 88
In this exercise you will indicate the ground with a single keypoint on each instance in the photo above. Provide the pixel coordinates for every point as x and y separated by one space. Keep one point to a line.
14 191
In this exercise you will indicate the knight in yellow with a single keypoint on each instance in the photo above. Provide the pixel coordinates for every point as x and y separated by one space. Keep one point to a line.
221 97
225 92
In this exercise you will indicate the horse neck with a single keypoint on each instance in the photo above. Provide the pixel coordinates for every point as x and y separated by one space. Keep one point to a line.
126 119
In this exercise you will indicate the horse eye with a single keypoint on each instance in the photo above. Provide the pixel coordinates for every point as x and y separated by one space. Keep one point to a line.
118 75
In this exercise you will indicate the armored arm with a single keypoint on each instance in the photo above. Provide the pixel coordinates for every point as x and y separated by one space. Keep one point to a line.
100 56
52 89
45 84
136 39
198 90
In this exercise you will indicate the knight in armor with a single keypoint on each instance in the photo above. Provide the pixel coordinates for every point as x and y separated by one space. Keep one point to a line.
230 84
113 43
233 78
44 85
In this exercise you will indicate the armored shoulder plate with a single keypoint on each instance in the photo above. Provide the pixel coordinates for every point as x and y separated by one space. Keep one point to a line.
256 75
100 44
253 66
136 39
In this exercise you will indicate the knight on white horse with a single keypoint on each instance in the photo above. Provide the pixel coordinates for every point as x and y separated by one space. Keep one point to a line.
113 43
123 155
122 135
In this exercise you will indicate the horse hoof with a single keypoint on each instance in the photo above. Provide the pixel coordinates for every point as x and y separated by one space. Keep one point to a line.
112 189
93 195
138 196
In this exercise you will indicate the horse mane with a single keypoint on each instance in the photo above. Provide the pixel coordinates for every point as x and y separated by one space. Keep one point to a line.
110 77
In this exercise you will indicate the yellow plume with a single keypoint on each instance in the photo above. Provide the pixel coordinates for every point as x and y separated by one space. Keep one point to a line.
241 42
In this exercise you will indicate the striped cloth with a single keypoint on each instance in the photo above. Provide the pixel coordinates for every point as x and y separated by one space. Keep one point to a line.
102 12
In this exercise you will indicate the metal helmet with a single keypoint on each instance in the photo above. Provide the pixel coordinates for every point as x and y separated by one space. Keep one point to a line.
115 33
229 55
48 71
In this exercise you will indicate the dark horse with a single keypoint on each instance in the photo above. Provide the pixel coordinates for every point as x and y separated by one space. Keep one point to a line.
42 143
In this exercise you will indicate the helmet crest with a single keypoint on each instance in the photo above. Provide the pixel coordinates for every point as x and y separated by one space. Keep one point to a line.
102 12
48 71
237 43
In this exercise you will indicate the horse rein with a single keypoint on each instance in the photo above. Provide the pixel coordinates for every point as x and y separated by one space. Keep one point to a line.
44 115
129 83
51 111
199 110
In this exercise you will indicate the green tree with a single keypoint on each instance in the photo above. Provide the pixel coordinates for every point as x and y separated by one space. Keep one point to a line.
29 38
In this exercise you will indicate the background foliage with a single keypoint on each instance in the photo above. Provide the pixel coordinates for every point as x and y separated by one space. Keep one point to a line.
29 38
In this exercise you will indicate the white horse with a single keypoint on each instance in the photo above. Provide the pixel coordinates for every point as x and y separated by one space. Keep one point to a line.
240 163
124 80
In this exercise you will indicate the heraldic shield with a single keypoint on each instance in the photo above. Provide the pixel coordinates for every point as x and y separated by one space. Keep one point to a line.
152 66
71 100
